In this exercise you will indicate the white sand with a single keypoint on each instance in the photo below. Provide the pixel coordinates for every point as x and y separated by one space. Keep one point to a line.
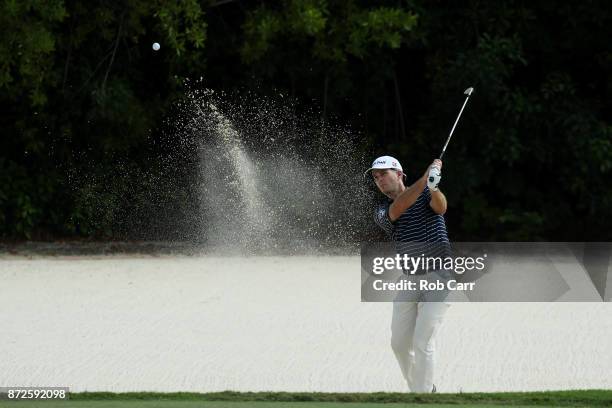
268 323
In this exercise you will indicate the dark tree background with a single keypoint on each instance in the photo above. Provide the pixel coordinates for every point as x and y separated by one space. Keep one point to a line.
81 91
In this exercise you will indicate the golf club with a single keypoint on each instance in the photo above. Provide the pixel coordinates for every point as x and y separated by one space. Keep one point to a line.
467 92
434 173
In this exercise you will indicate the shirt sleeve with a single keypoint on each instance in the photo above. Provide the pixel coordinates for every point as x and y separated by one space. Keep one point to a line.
381 217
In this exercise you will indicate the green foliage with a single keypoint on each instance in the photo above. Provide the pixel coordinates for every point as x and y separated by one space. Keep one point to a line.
121 114
261 27
307 17
380 28
27 199
75 80
534 142
81 91
335 31
26 52
183 24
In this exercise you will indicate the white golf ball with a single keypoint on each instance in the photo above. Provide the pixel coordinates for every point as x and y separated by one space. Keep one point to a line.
156 46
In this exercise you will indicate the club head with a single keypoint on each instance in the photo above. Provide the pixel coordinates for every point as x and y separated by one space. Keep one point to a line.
468 91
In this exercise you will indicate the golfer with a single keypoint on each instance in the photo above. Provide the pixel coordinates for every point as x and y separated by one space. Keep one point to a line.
412 217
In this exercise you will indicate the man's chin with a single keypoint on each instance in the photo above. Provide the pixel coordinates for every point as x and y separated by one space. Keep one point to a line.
388 192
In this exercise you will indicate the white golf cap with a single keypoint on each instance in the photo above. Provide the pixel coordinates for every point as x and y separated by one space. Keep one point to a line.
385 162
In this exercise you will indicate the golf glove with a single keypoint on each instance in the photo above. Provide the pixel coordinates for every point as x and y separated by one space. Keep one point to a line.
434 178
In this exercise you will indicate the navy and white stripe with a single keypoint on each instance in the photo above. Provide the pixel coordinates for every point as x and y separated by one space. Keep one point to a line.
419 230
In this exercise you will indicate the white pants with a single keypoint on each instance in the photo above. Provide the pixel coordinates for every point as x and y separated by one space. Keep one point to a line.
413 330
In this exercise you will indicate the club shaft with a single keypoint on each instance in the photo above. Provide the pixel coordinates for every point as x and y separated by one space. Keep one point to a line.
454 125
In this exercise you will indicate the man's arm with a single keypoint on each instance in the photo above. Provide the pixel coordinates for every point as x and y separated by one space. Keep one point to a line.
438 202
408 197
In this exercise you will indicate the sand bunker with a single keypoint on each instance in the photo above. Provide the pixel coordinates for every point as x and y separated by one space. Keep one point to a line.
267 323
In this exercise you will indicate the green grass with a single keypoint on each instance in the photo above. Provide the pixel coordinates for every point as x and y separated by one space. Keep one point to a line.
228 399
230 404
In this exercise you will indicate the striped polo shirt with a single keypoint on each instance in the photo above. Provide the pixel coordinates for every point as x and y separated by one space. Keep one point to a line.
418 231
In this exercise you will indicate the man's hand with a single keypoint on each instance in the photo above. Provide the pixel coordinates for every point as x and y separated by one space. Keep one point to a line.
436 163
433 175
438 200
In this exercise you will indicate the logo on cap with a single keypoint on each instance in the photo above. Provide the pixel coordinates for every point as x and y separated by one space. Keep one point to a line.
385 162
